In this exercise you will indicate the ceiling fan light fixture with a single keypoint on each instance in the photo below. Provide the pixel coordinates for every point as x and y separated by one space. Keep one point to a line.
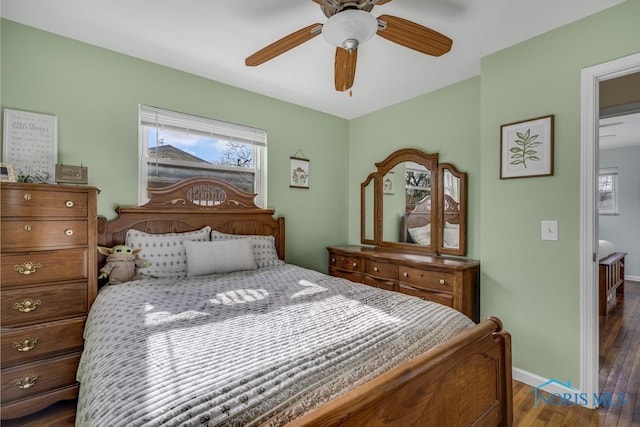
350 28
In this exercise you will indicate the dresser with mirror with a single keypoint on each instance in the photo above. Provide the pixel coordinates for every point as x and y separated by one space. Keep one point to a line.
413 233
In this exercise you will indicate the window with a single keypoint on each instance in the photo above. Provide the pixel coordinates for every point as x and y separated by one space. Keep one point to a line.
175 146
608 186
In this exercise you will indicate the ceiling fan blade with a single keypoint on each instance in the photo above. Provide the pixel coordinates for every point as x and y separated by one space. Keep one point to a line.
345 68
320 2
381 2
284 44
414 36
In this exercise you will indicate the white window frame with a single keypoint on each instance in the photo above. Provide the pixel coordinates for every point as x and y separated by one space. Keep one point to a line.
613 172
159 117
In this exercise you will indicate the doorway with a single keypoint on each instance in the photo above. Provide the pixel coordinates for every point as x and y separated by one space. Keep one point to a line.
589 328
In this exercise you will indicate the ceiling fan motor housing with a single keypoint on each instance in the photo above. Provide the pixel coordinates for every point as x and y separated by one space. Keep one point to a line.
331 7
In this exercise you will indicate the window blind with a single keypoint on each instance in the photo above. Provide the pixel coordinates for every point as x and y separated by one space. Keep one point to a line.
210 128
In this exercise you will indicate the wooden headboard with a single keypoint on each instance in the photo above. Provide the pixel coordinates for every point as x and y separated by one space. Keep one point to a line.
418 217
421 215
190 205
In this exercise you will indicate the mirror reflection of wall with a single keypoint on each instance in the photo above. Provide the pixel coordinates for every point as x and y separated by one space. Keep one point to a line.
393 203
368 208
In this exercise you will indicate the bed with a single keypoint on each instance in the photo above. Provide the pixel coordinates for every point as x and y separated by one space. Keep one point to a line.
277 344
610 274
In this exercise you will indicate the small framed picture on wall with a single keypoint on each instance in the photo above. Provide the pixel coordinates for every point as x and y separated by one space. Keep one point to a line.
526 148
299 174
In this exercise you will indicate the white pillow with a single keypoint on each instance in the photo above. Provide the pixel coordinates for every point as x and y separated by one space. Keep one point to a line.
451 225
264 247
451 238
164 252
421 235
219 257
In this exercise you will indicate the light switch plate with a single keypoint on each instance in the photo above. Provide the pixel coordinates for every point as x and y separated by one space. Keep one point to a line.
549 230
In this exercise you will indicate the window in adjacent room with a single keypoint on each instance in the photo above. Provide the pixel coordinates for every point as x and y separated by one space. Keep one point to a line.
608 186
175 146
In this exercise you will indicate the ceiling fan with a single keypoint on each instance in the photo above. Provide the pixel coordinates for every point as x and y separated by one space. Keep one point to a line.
351 24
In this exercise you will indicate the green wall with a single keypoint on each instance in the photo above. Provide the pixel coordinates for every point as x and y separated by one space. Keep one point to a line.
95 95
534 285
446 121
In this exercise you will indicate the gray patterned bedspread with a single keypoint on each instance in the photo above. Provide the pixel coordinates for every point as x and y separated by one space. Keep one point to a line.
257 347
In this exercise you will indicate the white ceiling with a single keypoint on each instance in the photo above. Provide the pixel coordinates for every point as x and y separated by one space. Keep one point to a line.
619 131
211 38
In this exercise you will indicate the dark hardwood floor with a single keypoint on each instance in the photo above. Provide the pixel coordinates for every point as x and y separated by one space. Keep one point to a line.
619 374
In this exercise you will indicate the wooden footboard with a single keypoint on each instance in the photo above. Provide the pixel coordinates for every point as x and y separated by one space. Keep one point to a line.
465 381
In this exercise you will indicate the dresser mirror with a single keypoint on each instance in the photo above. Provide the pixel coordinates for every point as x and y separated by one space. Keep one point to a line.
452 225
418 204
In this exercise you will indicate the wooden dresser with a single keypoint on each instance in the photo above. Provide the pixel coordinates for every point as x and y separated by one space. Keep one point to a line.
454 282
49 280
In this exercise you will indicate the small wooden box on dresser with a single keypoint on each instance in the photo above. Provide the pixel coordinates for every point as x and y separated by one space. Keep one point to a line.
49 280
450 281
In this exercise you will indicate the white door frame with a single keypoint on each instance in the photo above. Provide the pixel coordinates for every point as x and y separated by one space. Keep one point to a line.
589 333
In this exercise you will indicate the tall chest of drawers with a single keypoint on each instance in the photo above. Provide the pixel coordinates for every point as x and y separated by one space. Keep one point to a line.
49 280
450 281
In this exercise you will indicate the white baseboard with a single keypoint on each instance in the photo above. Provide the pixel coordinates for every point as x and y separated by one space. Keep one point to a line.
632 278
535 381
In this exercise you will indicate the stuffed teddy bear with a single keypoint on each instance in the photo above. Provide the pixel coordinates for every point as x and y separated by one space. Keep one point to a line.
121 264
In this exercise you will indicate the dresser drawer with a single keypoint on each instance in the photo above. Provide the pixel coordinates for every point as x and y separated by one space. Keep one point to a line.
426 279
354 276
439 297
38 377
381 270
23 234
387 284
345 262
39 267
43 203
30 342
38 303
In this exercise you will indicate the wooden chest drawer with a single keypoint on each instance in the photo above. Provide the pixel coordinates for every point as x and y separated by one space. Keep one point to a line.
39 267
354 276
38 303
43 203
23 234
388 284
28 380
439 297
30 342
382 270
345 262
426 279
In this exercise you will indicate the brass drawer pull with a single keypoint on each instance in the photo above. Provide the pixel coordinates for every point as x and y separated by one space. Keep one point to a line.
27 305
27 267
68 232
27 227
333 260
26 344
442 281
69 203
405 274
375 269
27 196
355 265
26 382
